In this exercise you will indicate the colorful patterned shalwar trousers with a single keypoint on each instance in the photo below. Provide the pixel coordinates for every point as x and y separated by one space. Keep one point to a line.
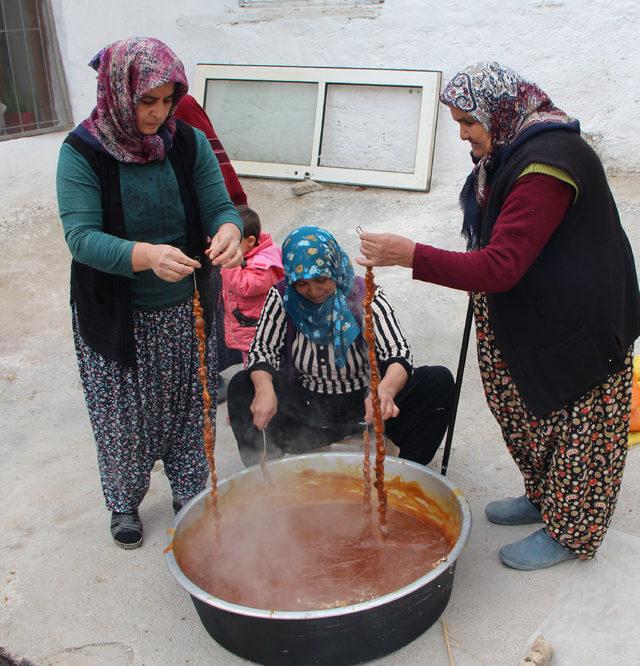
149 412
572 459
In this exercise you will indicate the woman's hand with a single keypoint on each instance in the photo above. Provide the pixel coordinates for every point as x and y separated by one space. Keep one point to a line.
265 402
386 250
224 249
388 407
167 262
390 385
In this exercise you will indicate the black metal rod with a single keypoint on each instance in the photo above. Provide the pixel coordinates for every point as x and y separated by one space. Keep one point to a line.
456 395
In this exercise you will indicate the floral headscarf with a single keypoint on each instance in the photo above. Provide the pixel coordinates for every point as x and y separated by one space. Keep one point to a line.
311 252
126 71
511 109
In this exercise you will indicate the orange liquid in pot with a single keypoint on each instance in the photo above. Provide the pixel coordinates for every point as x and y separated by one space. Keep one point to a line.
299 546
307 543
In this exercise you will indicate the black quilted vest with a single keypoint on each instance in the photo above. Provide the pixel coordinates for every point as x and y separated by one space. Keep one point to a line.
571 319
102 300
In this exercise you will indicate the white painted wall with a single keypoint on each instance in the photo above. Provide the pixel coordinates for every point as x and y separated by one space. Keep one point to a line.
584 53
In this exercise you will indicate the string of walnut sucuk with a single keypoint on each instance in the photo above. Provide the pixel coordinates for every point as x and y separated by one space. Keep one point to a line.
209 440
366 473
378 425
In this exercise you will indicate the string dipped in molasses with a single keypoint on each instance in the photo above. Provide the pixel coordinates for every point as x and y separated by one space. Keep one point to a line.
209 438
378 425
366 474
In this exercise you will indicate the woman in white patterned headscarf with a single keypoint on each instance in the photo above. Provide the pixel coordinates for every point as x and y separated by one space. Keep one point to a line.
556 305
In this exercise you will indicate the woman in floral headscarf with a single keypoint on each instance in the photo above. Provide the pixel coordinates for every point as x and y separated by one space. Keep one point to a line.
144 210
306 381
556 306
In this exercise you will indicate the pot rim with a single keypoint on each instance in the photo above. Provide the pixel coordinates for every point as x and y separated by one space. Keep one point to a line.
216 602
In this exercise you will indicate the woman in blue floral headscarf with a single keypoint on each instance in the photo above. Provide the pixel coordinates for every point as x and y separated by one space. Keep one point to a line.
307 372
310 253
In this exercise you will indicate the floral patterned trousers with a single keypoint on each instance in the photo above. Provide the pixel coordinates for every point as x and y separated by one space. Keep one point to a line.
572 459
152 411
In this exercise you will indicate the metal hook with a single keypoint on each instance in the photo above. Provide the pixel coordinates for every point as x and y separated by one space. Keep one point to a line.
195 283
359 230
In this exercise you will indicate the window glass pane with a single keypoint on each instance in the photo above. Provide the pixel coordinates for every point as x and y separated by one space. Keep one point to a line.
20 103
11 13
29 14
18 14
371 127
39 72
6 87
264 121
32 91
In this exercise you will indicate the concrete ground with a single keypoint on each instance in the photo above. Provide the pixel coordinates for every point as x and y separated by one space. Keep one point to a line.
69 596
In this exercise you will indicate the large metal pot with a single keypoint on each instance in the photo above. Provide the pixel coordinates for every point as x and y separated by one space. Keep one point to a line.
345 635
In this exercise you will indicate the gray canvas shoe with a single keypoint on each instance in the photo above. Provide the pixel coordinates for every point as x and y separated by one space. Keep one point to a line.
537 551
513 511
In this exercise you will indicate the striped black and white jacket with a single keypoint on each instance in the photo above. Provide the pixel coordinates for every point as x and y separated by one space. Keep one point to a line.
315 363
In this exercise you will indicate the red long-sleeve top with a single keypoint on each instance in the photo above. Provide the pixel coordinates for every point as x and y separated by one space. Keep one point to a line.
189 111
529 216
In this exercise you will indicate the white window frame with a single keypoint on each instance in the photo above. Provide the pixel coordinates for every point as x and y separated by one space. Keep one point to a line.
428 81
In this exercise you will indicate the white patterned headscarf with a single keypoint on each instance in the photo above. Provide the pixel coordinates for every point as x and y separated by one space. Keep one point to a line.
506 105
503 102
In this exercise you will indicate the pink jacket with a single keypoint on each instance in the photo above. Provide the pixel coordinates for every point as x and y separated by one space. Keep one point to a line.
245 289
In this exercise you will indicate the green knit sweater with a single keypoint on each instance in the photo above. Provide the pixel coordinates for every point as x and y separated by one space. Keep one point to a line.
153 213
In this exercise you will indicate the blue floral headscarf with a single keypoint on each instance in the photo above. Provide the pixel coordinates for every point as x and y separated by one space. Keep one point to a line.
311 252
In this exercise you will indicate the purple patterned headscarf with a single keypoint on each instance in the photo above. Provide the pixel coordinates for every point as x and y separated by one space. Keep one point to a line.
127 70
511 109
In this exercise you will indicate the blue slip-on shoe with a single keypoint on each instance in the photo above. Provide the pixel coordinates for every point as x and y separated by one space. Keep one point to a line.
537 551
513 511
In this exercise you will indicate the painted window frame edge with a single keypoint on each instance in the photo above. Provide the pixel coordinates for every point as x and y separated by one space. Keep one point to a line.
301 3
428 80
248 4
58 69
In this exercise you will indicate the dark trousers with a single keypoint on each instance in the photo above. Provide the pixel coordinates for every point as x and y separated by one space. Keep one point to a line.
306 421
226 356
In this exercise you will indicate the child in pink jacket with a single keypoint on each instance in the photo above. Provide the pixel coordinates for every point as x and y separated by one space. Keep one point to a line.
245 287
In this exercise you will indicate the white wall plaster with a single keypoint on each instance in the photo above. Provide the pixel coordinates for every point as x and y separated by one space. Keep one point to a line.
584 53
355 138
